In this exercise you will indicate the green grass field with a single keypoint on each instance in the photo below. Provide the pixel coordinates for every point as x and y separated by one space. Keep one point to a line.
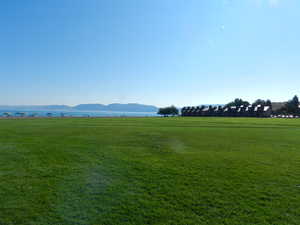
177 171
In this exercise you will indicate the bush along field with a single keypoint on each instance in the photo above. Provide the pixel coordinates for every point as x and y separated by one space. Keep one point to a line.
179 171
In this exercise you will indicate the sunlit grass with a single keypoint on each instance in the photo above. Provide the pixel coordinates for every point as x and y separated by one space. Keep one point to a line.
150 171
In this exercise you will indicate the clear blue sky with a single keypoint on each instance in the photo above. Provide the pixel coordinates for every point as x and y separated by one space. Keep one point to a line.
161 52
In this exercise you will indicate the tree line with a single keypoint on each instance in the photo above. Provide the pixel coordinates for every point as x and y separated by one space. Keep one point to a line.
238 102
289 107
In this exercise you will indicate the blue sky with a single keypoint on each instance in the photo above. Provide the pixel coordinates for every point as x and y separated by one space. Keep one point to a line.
148 51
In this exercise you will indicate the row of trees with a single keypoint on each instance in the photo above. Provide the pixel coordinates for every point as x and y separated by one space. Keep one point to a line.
290 107
239 102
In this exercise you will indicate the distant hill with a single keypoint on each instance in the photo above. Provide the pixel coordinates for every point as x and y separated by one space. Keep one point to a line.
131 107
90 107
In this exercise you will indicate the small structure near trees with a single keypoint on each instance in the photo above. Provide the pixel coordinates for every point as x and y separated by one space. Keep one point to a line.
7 114
33 115
49 114
20 114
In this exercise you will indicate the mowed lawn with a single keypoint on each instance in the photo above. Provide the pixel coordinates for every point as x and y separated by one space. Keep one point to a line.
164 171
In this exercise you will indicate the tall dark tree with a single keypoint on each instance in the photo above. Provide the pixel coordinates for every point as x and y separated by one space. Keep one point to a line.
292 106
295 101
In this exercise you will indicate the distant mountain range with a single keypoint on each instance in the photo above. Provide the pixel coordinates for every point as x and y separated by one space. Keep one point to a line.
131 107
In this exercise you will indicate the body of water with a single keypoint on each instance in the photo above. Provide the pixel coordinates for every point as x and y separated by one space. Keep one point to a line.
13 113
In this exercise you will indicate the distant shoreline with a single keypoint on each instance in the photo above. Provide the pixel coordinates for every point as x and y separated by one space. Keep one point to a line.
48 114
73 117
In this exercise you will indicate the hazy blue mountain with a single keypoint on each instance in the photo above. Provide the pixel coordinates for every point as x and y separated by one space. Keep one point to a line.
90 107
56 107
132 107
